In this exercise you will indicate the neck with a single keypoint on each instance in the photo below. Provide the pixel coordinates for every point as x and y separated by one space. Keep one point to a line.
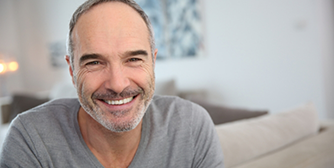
112 149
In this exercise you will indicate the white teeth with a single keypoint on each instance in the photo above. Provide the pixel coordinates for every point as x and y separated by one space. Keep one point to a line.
119 102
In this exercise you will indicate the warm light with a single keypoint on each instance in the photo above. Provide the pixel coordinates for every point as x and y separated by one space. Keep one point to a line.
2 68
13 66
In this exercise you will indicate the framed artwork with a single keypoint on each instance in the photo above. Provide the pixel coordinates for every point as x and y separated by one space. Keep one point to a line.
57 51
177 25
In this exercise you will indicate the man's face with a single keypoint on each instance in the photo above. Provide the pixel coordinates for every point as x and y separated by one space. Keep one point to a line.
113 67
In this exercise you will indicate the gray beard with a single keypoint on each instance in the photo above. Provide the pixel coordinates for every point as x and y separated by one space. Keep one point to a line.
98 115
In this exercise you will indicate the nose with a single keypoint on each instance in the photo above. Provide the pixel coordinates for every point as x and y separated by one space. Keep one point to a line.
116 78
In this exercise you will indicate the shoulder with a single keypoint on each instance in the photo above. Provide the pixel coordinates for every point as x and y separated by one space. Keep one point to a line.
191 126
185 128
49 112
171 109
54 106
175 103
56 117
41 133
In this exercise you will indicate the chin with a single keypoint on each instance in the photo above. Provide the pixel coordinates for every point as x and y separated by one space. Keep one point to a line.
124 123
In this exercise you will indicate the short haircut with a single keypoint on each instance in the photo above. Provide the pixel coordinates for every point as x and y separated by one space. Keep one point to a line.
86 6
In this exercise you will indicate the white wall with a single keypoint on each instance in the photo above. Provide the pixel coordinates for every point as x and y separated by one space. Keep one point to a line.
8 43
28 28
259 54
326 20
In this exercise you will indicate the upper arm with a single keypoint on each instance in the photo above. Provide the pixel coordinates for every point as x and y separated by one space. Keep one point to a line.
208 152
18 149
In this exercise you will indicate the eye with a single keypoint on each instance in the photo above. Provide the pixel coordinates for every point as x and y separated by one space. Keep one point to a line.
93 63
134 59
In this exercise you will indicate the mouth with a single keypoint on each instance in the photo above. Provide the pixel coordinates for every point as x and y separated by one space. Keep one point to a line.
118 102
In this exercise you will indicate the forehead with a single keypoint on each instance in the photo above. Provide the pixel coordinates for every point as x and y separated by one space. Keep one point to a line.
112 26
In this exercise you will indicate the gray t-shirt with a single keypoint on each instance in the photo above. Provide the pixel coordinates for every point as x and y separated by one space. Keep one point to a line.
175 134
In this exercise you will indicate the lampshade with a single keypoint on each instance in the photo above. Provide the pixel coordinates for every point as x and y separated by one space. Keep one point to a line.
6 67
2 67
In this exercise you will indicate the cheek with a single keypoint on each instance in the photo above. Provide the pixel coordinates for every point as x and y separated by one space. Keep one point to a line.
144 76
86 82
149 70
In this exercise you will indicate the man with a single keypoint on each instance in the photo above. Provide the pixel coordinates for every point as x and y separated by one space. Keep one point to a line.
117 121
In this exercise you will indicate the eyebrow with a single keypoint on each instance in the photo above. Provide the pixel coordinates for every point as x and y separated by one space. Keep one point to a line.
85 57
136 52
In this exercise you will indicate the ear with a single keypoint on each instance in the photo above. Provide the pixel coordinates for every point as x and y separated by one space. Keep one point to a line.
68 60
155 56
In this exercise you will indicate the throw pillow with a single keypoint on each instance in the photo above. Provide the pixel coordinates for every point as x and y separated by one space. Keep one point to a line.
222 114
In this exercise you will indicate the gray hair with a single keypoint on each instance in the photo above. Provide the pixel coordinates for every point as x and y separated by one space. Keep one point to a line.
86 6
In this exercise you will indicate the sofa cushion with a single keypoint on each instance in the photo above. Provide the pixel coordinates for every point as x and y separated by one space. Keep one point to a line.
313 152
222 114
245 140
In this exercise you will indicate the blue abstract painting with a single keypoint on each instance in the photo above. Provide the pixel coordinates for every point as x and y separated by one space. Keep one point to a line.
177 27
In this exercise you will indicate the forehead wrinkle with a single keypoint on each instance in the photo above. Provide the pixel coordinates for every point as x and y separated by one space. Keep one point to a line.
124 22
114 14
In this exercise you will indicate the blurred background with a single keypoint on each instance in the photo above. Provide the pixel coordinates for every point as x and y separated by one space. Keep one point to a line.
258 54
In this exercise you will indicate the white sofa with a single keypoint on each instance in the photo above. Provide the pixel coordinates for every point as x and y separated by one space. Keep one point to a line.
291 139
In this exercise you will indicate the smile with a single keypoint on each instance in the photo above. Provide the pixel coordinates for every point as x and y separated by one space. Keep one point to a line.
119 102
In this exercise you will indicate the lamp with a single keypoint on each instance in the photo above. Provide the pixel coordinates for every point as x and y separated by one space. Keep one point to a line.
2 68
5 69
